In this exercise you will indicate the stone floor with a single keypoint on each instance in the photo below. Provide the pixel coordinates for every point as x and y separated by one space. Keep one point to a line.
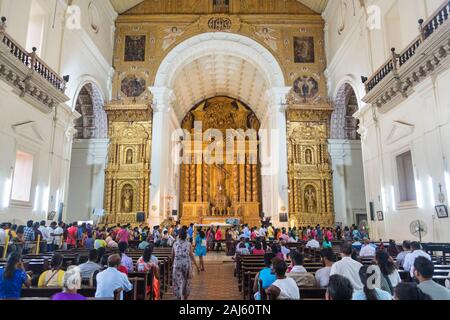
217 282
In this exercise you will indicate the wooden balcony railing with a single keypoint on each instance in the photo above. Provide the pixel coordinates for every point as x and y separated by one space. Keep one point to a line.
31 60
426 28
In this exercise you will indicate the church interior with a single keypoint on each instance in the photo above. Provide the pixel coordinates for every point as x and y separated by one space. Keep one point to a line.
147 115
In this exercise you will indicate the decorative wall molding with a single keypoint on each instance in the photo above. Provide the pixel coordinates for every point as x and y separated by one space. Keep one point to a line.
399 131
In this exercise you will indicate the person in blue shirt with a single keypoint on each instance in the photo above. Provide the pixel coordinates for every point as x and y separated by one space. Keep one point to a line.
111 280
265 275
191 233
200 248
13 277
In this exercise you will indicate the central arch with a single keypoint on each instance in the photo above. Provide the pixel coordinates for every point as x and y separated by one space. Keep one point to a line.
218 64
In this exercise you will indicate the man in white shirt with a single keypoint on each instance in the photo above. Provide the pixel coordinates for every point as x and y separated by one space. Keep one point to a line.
111 279
402 254
417 251
367 250
45 235
348 267
313 243
323 275
56 234
262 232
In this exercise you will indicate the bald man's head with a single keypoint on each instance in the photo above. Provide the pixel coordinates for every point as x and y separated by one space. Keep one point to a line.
114 261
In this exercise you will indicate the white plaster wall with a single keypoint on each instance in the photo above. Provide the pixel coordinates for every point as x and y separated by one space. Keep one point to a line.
85 56
359 52
87 178
348 180
49 172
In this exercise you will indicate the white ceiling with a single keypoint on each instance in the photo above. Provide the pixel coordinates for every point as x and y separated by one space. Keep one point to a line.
219 74
123 5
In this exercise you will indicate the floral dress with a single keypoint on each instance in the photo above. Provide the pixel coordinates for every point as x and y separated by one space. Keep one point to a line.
182 269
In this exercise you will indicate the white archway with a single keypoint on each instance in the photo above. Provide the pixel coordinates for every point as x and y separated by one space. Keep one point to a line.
170 103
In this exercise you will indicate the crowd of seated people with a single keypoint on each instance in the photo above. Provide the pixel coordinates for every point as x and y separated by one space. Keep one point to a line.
284 261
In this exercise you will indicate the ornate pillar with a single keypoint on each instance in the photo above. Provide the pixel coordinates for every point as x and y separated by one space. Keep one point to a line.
161 152
276 167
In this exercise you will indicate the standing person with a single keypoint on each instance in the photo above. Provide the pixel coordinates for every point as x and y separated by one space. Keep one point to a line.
218 238
111 279
72 233
190 233
210 238
13 277
54 236
20 242
200 248
46 239
123 235
270 233
182 257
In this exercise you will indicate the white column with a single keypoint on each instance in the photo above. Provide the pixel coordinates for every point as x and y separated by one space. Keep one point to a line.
161 153
278 153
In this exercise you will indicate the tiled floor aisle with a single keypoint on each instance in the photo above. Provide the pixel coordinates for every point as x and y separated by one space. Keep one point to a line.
216 283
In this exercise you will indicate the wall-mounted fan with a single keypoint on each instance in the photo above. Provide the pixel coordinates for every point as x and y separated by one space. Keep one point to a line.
418 228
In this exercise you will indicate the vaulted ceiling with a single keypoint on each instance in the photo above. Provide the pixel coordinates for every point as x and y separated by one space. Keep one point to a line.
123 5
219 74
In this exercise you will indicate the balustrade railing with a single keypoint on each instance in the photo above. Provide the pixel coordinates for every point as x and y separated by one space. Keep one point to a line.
31 60
426 28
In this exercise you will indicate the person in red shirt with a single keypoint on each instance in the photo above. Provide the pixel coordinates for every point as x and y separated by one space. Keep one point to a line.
72 234
218 238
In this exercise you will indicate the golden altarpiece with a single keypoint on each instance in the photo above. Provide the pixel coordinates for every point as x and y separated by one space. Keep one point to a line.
128 170
293 34
225 180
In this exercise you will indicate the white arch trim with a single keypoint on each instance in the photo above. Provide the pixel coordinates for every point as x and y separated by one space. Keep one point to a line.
81 82
358 89
223 43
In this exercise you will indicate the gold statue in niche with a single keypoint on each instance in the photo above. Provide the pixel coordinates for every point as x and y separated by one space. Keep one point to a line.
214 192
308 156
310 200
129 157
221 201
127 199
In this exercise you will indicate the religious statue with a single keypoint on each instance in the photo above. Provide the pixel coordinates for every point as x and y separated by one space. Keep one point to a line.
310 200
308 156
129 159
221 201
127 199
171 36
